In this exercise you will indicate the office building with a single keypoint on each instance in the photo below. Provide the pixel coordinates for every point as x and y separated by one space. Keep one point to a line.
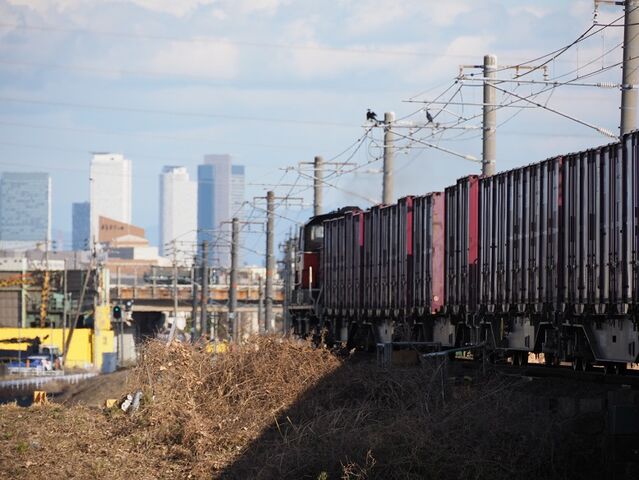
25 211
237 191
110 190
178 213
81 226
220 196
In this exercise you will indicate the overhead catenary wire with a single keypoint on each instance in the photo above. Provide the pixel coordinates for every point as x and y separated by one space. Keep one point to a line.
551 56
151 111
535 94
601 130
226 41
155 136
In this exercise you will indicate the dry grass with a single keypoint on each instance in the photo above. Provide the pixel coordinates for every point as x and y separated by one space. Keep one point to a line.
212 411
283 409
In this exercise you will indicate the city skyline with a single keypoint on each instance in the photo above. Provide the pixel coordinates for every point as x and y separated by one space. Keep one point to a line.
177 201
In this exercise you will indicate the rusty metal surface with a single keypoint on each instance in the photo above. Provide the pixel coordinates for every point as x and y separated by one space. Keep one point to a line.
161 292
462 246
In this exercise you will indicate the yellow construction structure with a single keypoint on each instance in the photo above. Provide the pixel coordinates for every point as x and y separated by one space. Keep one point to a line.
87 345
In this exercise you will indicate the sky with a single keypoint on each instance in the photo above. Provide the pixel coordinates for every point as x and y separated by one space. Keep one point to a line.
276 82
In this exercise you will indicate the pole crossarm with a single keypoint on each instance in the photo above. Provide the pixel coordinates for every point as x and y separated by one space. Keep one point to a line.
245 222
431 125
341 164
467 104
551 83
284 199
517 68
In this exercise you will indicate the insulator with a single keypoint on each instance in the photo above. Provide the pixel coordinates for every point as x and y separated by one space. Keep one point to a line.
607 85
605 131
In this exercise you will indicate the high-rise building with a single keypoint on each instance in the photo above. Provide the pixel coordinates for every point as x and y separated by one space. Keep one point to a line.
111 190
81 225
237 191
178 212
220 197
25 210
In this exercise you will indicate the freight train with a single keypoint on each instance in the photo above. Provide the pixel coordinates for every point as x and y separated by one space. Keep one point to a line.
542 259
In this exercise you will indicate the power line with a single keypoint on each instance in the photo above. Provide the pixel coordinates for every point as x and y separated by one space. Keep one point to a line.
150 111
241 43
145 135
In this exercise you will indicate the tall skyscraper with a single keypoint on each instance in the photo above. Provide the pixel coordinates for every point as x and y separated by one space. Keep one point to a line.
178 212
220 196
111 190
81 224
25 210
237 191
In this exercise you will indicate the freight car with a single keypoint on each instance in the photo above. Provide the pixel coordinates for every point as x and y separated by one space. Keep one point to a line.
542 258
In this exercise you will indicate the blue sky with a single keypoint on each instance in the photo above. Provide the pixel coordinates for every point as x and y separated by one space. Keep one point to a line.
275 82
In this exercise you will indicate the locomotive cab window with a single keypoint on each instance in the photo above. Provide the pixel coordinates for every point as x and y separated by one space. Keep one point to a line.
317 232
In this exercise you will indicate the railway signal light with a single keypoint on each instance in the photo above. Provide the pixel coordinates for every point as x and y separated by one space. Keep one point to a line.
117 312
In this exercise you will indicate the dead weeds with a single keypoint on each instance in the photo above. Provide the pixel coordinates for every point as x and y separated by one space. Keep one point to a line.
277 408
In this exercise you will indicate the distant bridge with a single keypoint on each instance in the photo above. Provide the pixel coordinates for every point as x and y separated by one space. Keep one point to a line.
153 298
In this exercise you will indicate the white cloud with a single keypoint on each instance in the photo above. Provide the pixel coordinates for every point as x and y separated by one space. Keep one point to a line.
217 60
470 47
445 13
252 6
40 6
8 16
178 8
533 10
376 14
581 8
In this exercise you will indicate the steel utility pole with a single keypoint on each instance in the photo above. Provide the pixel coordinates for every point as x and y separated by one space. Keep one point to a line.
85 284
319 168
270 260
194 301
270 254
65 306
489 150
318 179
389 154
289 280
235 245
204 299
175 296
260 305
630 66
175 284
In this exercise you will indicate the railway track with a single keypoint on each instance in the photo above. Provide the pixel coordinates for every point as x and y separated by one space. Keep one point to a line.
597 375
